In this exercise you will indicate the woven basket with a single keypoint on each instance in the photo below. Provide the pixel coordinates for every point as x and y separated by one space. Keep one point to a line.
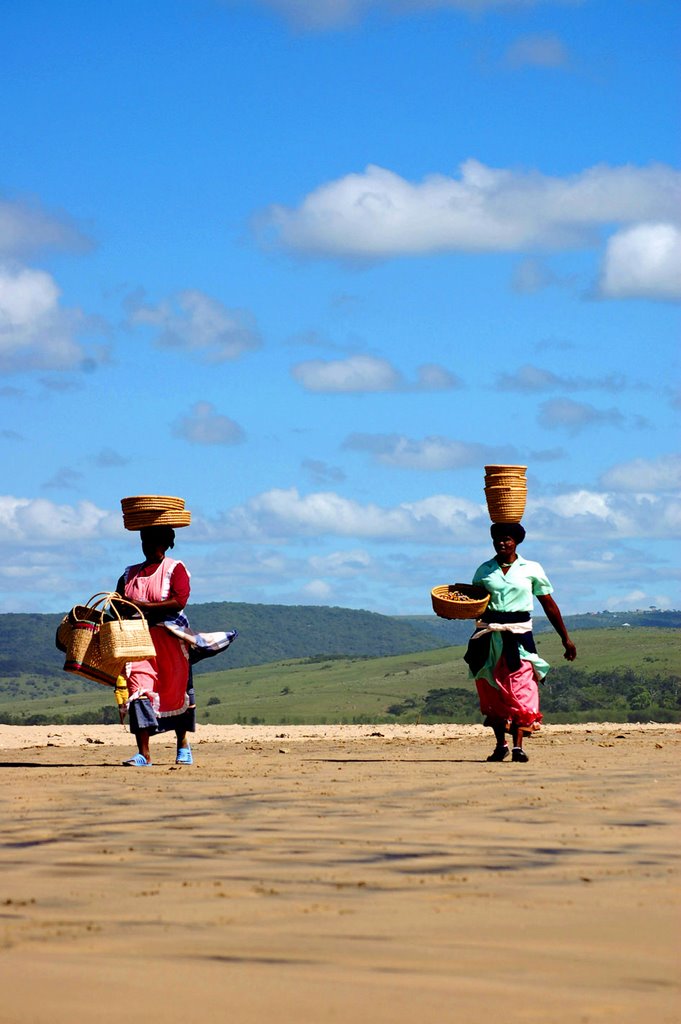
159 502
141 520
506 469
506 480
78 634
128 639
459 601
505 505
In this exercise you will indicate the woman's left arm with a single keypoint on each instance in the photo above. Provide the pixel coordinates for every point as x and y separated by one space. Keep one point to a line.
556 619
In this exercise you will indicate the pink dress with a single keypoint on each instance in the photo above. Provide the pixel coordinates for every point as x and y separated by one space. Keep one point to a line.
164 678
514 697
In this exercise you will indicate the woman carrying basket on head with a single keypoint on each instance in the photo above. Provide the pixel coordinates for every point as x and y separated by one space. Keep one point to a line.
501 654
160 688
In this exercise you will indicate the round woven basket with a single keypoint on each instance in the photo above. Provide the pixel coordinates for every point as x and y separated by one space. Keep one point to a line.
142 520
459 601
505 505
156 502
505 513
144 510
506 480
506 469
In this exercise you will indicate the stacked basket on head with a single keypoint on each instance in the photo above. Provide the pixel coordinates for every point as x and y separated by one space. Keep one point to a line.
506 493
145 510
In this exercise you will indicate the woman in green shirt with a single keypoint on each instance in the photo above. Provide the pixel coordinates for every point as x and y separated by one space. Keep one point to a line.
501 653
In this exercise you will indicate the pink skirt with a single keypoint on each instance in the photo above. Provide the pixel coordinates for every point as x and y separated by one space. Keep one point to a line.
165 675
515 698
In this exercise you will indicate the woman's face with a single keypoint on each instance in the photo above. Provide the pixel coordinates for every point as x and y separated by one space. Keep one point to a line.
505 548
153 549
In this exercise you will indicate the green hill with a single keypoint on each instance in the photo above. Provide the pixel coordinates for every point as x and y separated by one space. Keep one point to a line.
278 632
266 633
625 674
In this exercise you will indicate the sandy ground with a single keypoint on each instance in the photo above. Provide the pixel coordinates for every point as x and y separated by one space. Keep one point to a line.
340 874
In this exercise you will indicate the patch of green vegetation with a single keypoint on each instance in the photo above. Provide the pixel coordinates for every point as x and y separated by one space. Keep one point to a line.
311 690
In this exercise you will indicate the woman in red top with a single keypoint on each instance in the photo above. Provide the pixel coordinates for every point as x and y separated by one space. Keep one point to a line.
161 696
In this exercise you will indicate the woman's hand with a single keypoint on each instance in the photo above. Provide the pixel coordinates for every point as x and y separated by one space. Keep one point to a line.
569 650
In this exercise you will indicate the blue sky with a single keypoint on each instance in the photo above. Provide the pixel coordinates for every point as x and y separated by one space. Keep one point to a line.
311 264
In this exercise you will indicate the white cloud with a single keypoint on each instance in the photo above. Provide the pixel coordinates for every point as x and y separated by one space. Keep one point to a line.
532 275
539 51
323 15
26 228
593 543
316 590
637 599
282 513
431 377
643 262
428 453
65 479
36 521
529 379
36 333
195 322
109 458
356 373
341 563
322 473
378 214
204 425
566 414
642 475
362 373
584 514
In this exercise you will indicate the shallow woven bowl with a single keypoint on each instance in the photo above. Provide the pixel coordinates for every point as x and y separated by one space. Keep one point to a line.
170 517
506 469
158 502
448 601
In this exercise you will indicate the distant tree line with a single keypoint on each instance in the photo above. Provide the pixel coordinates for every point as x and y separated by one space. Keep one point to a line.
569 695
107 715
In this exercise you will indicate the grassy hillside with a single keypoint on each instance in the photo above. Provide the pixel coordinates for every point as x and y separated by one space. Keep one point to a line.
312 690
270 633
266 633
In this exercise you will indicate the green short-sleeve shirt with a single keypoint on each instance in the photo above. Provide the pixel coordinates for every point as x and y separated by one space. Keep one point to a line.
514 591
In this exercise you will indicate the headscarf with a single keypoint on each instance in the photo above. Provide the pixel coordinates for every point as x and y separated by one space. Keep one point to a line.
513 530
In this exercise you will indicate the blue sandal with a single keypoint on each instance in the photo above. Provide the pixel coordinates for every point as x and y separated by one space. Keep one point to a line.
184 756
138 761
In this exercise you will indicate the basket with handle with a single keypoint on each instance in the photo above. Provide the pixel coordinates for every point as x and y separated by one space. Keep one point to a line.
129 639
459 600
78 636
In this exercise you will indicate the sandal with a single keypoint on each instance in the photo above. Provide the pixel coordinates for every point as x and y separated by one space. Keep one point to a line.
499 753
138 761
184 756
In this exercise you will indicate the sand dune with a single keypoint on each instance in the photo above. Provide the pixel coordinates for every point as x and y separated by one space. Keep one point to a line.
327 874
